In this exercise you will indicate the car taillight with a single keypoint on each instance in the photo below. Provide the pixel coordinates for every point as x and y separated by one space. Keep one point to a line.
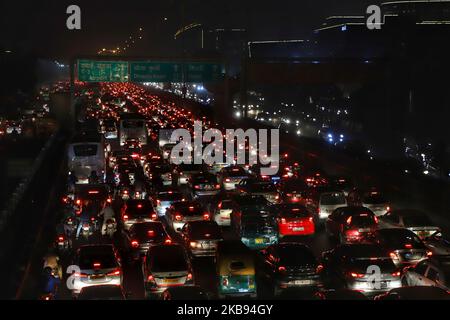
97 265
168 241
311 219
78 202
197 187
227 180
408 246
429 253
189 276
116 272
125 217
158 202
60 239
125 191
134 243
319 268
154 216
219 206
150 278
352 233
388 208
178 217
396 274
217 186
283 220
356 275
206 216
393 256
282 269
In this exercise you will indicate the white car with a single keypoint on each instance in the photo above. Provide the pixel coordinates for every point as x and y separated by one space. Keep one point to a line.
99 265
434 271
330 201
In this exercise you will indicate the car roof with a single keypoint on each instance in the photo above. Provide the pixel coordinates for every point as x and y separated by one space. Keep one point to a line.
362 250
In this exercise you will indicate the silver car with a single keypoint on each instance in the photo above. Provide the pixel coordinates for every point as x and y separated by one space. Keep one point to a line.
434 272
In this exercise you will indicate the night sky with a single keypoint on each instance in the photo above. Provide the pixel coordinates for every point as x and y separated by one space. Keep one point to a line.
40 26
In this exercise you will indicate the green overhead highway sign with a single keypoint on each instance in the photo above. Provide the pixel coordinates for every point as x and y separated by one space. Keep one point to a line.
148 71
203 72
102 71
154 71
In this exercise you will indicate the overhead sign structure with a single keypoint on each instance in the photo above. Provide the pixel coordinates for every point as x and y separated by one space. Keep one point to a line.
154 71
102 71
149 71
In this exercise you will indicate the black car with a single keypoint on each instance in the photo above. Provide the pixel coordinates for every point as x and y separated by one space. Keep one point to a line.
201 237
287 265
140 236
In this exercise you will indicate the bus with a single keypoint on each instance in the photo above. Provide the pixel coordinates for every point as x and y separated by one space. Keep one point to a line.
86 153
132 126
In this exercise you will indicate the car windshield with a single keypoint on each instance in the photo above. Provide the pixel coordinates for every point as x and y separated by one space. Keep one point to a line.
103 259
85 150
133 124
374 199
209 230
363 221
296 256
398 238
148 231
170 196
139 208
235 172
168 258
291 211
190 209
332 199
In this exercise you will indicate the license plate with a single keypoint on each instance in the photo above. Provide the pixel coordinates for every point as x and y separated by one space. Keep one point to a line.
170 281
298 229
97 277
302 282
259 240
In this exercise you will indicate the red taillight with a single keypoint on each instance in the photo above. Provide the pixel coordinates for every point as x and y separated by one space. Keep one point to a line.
150 278
408 246
352 233
227 180
134 243
357 275
206 216
97 265
78 202
217 186
349 220
283 220
125 217
178 217
429 253
125 191
154 216
319 268
376 219
393 255
282 269
311 219
189 276
396 274
219 205
197 187
60 239
116 272
168 241
92 219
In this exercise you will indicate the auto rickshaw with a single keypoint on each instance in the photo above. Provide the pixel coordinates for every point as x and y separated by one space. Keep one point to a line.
235 270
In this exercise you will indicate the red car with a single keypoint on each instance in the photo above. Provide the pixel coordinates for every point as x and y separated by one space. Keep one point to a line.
294 220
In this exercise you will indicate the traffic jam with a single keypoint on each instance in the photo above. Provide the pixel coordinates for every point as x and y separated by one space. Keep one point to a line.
133 225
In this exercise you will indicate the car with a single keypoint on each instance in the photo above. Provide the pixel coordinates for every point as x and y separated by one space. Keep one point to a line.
404 246
135 211
182 212
434 271
342 183
438 244
99 264
109 129
201 238
328 202
165 198
351 224
258 229
294 220
293 191
166 150
247 204
102 292
415 293
162 170
204 185
185 293
164 266
222 209
286 265
373 199
259 187
354 266
186 171
414 220
230 176
142 235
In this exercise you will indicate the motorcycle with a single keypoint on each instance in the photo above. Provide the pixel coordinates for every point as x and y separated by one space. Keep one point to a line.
51 284
86 230
63 243
70 226
111 227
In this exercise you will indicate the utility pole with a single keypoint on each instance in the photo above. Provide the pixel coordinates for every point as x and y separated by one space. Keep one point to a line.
244 63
